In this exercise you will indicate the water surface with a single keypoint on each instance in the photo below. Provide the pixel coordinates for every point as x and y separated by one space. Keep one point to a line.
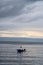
32 56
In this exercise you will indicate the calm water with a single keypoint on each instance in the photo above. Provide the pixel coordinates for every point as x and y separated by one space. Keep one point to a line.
32 56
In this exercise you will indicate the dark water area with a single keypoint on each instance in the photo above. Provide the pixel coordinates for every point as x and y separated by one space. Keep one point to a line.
21 39
32 56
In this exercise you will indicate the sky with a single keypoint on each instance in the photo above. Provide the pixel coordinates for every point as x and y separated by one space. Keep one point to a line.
21 18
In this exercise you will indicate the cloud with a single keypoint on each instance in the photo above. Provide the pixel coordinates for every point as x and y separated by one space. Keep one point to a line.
21 15
12 7
31 12
31 19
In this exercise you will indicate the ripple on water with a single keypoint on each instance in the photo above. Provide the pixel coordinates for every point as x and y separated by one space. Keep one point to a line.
32 56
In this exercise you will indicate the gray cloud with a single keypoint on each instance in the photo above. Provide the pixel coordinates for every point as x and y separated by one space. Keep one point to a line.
21 15
12 7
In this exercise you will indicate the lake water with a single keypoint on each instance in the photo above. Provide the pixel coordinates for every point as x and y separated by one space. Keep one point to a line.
32 56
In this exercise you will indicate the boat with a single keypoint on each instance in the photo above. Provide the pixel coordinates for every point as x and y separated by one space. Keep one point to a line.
21 50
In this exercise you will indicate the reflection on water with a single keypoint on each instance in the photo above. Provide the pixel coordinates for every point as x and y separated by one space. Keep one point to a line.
32 56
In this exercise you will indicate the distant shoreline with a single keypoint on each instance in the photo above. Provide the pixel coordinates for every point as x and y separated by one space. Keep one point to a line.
19 42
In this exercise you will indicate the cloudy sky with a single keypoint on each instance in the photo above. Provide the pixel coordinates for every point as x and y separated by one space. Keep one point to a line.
21 18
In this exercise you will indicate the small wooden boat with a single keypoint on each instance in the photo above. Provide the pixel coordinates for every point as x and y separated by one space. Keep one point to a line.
21 50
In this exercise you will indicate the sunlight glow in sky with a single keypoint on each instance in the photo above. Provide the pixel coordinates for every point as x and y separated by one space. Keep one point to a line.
30 34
